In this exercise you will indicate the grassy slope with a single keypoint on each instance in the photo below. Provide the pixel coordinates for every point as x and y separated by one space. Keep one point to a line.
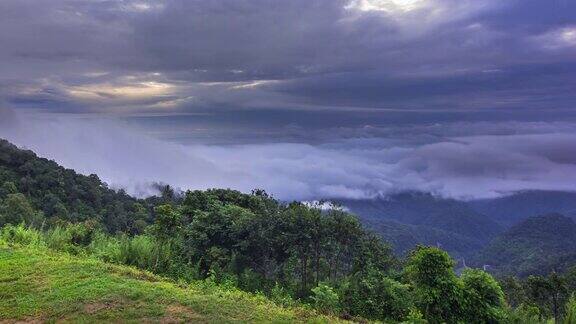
38 284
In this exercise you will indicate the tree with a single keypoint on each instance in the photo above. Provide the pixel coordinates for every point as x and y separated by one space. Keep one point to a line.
547 293
7 188
17 209
372 295
483 298
437 290
513 290
559 294
167 224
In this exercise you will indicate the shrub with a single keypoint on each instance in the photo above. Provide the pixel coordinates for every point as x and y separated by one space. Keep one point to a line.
21 235
483 297
281 296
326 299
105 247
570 316
523 314
372 295
139 251
71 238
58 238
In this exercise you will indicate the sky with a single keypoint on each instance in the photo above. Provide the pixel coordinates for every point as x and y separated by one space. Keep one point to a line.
307 99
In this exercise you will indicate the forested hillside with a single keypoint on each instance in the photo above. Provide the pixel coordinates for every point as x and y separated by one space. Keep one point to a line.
512 209
538 245
59 194
295 254
414 218
463 228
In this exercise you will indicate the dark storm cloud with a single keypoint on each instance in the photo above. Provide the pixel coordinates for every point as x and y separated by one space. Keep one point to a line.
544 86
375 95
211 55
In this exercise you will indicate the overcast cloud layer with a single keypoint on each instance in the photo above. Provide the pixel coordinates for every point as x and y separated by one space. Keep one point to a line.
519 156
308 99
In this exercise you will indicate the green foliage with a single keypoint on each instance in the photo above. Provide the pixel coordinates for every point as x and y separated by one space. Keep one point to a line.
17 209
106 248
513 289
281 296
294 253
21 235
415 317
326 299
536 246
63 195
371 294
438 292
547 295
570 311
167 224
524 314
7 188
72 238
483 298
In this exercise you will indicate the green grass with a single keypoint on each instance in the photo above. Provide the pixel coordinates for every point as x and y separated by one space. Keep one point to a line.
39 284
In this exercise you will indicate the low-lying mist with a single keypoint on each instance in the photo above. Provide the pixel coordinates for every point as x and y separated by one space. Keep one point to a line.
458 166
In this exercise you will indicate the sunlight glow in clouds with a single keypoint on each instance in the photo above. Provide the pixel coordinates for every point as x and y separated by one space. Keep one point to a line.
569 35
385 5
558 39
137 91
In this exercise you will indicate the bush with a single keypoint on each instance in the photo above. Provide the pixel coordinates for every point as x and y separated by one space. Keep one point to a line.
139 251
372 295
570 316
58 238
326 299
523 314
281 296
71 238
483 297
21 235
106 248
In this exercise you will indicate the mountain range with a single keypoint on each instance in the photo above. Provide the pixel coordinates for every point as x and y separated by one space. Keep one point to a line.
499 232
524 232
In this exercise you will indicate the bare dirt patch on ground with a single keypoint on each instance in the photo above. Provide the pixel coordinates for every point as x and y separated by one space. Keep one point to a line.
180 314
93 308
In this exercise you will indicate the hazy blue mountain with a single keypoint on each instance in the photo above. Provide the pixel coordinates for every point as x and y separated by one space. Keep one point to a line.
510 210
404 237
410 218
537 245
461 227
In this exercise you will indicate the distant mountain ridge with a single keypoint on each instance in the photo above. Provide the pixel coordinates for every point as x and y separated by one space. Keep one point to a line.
537 245
410 218
477 230
512 209
461 227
